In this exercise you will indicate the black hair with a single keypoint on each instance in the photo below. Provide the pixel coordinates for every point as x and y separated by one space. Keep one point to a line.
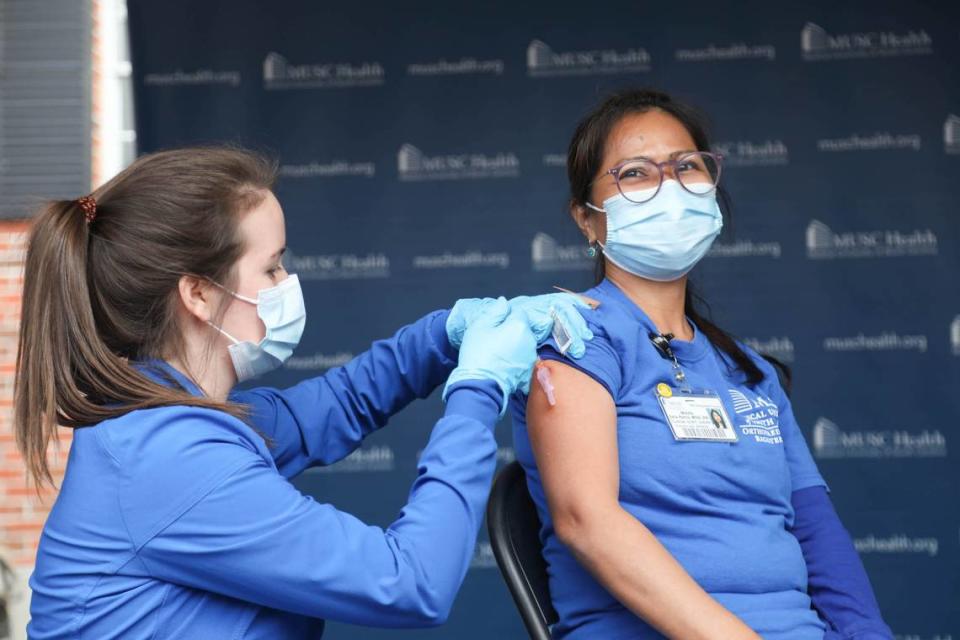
584 158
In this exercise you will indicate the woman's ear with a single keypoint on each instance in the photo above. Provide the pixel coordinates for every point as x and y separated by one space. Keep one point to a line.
197 297
582 216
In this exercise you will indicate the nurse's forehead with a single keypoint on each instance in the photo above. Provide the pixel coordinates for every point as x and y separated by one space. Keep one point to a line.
263 227
651 134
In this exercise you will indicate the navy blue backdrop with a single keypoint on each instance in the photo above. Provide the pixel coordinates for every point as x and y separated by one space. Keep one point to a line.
422 160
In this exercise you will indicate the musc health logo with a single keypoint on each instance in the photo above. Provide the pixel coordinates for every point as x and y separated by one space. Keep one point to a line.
554 160
339 266
364 460
780 348
816 44
483 557
760 416
542 61
414 165
318 361
951 134
744 153
546 254
830 442
823 243
955 336
278 73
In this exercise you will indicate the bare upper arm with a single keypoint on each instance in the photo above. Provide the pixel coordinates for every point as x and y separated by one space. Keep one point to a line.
575 445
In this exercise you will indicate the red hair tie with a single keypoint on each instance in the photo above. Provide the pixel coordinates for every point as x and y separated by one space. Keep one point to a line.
89 207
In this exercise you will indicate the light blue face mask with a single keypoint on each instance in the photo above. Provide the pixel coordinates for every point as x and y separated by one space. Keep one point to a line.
663 238
284 315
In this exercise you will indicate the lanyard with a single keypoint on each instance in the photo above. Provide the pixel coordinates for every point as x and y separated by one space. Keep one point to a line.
661 342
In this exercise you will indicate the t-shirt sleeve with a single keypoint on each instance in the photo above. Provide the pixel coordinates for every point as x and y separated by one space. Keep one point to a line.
600 361
803 469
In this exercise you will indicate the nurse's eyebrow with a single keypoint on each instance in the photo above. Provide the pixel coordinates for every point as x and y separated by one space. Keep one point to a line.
279 253
673 154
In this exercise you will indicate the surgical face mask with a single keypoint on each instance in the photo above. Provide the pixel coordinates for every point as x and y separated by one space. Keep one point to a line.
283 313
663 238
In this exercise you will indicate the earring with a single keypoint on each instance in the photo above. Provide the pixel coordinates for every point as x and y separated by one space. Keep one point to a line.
592 251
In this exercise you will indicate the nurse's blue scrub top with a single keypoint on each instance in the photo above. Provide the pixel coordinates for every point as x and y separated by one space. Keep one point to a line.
180 523
722 509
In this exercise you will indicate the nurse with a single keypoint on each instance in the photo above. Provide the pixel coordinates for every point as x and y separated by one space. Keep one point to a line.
677 495
143 305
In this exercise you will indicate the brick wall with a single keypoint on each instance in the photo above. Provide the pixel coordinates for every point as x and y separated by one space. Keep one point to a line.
22 511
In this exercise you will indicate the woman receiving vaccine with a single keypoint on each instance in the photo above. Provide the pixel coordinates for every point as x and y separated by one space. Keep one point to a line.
143 305
678 496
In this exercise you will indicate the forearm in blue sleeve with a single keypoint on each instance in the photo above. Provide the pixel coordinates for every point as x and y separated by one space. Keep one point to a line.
477 399
323 419
838 583
286 551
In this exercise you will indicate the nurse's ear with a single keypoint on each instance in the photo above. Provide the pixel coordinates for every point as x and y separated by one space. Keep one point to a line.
587 221
198 297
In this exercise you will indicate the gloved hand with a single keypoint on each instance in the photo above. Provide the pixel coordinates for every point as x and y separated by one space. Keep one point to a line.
537 311
497 345
538 308
464 311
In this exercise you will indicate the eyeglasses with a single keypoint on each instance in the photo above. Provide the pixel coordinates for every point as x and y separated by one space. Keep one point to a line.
639 179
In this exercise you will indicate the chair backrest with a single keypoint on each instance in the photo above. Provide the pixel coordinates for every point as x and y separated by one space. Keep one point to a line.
514 529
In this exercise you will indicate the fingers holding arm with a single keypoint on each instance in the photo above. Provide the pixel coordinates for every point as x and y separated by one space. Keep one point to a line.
497 346
541 313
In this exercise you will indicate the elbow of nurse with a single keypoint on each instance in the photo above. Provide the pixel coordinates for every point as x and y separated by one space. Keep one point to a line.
430 603
432 611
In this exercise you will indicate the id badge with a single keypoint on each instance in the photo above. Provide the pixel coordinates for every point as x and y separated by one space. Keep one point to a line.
695 415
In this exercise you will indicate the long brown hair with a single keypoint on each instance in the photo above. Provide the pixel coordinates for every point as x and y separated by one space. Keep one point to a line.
102 294
584 157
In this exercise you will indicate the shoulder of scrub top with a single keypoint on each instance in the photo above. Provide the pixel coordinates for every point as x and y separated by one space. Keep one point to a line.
602 359
168 458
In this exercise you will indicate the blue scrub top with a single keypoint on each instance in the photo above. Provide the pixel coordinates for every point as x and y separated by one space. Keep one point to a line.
181 523
722 509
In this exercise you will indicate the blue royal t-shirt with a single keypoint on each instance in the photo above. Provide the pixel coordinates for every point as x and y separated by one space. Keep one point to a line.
722 509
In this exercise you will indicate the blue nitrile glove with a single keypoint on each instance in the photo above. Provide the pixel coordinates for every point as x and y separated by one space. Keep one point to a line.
536 309
498 345
465 311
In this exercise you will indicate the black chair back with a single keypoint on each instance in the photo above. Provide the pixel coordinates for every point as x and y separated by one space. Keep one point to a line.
514 529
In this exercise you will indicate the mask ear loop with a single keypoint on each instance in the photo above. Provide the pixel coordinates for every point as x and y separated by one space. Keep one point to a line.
595 208
234 293
600 210
238 297
228 336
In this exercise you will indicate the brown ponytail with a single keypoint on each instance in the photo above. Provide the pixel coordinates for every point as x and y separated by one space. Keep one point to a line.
100 291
